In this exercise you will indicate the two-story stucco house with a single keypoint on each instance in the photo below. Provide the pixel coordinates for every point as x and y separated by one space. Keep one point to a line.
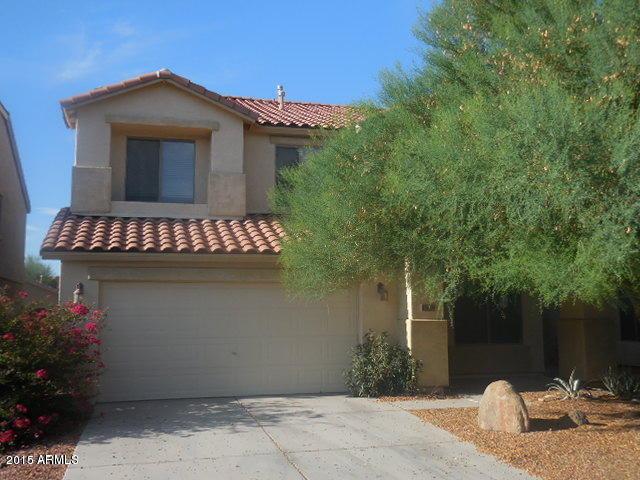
169 229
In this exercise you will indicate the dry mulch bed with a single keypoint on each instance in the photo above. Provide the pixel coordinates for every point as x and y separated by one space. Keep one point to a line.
438 393
555 449
55 444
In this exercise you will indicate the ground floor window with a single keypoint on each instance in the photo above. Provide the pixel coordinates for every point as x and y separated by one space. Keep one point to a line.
629 321
478 322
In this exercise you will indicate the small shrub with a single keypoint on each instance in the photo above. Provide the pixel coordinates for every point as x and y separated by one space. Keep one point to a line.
571 388
621 383
49 366
380 368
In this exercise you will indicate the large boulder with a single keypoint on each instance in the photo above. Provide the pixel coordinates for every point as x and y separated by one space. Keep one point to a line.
502 409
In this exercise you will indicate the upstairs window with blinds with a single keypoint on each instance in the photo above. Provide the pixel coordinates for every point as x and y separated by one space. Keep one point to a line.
160 170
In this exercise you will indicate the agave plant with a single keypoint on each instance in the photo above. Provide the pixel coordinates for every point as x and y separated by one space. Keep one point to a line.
571 388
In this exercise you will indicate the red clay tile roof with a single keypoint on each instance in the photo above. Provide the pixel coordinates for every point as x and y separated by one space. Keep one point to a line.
262 111
297 114
258 234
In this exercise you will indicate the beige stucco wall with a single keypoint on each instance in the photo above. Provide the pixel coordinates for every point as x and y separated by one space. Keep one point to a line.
156 111
259 160
160 102
260 164
12 214
587 340
377 314
235 160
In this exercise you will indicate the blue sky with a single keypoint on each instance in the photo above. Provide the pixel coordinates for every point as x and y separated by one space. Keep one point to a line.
329 51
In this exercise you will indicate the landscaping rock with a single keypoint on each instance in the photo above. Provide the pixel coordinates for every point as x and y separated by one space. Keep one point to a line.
502 409
578 417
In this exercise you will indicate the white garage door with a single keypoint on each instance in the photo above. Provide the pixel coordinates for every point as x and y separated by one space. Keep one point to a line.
180 340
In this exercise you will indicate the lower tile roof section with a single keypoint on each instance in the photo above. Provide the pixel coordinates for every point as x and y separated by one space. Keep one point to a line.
254 234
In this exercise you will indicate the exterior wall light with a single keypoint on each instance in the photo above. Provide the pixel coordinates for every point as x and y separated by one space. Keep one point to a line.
78 293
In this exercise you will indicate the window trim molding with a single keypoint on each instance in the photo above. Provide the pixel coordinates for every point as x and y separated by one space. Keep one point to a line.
162 121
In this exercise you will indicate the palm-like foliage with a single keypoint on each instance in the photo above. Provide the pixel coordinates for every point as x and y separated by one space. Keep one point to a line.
571 388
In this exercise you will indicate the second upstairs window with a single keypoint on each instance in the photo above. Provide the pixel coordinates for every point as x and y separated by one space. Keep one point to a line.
160 170
287 157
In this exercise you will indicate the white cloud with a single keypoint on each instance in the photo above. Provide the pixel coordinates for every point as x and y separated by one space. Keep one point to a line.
92 51
80 66
47 210
124 28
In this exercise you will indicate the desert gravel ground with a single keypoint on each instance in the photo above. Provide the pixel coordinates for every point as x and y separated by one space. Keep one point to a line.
555 449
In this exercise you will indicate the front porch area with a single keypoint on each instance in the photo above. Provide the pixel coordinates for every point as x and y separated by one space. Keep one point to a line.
516 337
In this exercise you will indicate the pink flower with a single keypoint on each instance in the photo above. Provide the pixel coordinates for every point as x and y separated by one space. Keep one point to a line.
76 331
42 374
9 337
7 436
79 309
91 327
42 313
45 419
95 340
21 408
23 422
23 294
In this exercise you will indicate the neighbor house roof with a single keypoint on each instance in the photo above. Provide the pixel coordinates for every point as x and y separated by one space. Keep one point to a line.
6 118
257 234
261 111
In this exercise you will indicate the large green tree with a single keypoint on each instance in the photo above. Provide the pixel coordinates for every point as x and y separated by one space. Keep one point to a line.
508 162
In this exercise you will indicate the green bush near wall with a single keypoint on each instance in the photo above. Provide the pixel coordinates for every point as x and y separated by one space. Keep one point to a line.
381 368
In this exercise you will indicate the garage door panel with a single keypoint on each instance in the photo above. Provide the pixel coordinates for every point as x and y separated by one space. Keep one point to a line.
339 351
311 352
210 339
333 378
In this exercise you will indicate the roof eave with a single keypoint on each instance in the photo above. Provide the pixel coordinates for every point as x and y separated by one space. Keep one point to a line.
69 106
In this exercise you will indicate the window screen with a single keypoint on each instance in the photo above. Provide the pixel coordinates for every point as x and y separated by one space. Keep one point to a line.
286 157
177 171
160 171
143 164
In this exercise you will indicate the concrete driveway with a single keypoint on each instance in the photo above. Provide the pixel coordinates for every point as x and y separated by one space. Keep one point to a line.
294 437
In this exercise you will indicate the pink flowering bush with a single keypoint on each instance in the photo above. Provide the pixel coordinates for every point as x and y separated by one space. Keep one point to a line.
49 366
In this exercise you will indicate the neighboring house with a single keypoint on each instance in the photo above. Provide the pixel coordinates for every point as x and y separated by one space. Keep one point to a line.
14 206
169 229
